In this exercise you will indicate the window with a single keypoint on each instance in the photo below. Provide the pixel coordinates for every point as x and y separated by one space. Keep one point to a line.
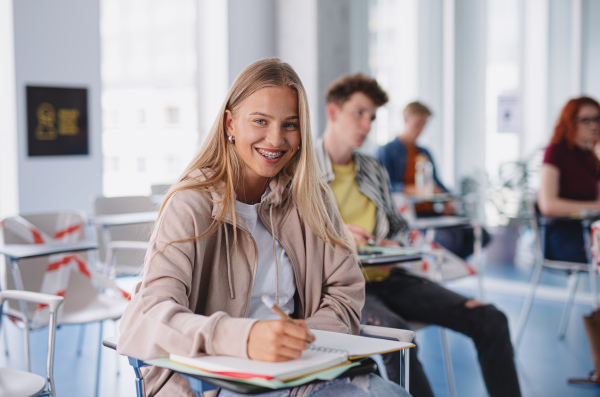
172 115
141 164
141 116
393 61
149 100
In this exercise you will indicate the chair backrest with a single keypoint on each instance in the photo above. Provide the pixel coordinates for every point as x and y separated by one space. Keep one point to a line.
34 270
34 383
534 210
159 188
139 232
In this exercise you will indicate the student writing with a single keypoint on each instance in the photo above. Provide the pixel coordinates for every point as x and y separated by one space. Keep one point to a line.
249 217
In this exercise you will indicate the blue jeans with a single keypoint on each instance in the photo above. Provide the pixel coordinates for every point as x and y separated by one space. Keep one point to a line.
403 296
460 240
358 386
564 242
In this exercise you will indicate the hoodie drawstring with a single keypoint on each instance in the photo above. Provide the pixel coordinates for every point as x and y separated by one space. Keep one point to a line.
231 294
274 256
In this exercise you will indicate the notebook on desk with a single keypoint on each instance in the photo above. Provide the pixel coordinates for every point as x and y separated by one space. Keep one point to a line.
329 350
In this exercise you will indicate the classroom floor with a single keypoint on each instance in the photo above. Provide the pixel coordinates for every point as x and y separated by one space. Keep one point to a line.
544 362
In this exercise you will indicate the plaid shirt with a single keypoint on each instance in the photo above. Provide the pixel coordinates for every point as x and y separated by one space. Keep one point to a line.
373 181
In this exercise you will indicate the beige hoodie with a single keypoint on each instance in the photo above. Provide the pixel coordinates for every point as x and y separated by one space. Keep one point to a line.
195 295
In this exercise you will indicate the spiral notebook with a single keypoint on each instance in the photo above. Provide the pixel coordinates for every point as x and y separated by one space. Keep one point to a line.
330 349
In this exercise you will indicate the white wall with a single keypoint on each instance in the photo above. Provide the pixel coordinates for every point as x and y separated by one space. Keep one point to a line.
559 65
469 87
535 83
430 81
297 45
591 49
334 53
57 43
8 114
251 33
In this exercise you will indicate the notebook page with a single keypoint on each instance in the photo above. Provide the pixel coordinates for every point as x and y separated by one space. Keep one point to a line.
357 346
310 361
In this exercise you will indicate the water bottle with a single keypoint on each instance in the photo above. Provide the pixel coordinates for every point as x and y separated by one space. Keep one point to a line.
428 183
419 177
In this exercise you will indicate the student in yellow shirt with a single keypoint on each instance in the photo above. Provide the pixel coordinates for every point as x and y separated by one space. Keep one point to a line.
361 188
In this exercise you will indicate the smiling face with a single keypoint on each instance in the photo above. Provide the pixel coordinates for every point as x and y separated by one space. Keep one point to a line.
266 130
588 126
351 122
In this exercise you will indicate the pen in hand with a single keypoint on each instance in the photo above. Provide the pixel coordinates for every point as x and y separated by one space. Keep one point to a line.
271 305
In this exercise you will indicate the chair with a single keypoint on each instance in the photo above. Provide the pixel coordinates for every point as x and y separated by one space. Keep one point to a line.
446 266
539 224
158 192
88 296
23 383
122 247
200 386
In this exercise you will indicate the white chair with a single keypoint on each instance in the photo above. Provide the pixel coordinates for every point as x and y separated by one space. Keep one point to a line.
402 335
158 192
595 268
122 247
571 269
446 266
23 383
89 297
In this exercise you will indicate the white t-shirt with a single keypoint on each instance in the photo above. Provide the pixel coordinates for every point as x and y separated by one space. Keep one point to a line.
264 282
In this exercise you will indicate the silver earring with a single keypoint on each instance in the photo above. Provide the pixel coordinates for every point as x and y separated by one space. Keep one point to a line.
231 139
299 147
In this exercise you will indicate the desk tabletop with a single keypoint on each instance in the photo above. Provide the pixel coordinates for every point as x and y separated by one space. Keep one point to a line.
21 251
435 197
411 262
373 255
365 366
439 222
124 219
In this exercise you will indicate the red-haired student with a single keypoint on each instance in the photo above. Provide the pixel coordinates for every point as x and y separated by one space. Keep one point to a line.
569 177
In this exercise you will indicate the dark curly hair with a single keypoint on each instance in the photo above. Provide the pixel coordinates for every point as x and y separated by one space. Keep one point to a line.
342 89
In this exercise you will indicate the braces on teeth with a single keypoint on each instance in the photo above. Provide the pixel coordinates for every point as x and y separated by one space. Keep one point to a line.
270 155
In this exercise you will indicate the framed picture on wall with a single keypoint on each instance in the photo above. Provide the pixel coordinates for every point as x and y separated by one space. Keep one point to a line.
57 121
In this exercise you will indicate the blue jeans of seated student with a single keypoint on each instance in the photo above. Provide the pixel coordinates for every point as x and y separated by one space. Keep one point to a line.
564 242
357 386
460 240
407 297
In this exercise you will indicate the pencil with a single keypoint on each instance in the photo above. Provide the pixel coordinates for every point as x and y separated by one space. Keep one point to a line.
271 305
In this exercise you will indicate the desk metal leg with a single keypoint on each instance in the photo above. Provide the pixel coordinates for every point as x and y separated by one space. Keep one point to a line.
198 386
105 233
405 357
438 257
592 261
564 318
18 280
139 378
478 256
448 362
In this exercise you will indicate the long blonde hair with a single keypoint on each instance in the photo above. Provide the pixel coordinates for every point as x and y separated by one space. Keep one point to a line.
309 190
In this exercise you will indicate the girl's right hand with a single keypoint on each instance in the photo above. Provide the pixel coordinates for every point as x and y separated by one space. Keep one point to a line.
278 340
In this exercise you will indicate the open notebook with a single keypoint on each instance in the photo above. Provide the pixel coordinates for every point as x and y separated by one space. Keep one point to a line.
330 349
